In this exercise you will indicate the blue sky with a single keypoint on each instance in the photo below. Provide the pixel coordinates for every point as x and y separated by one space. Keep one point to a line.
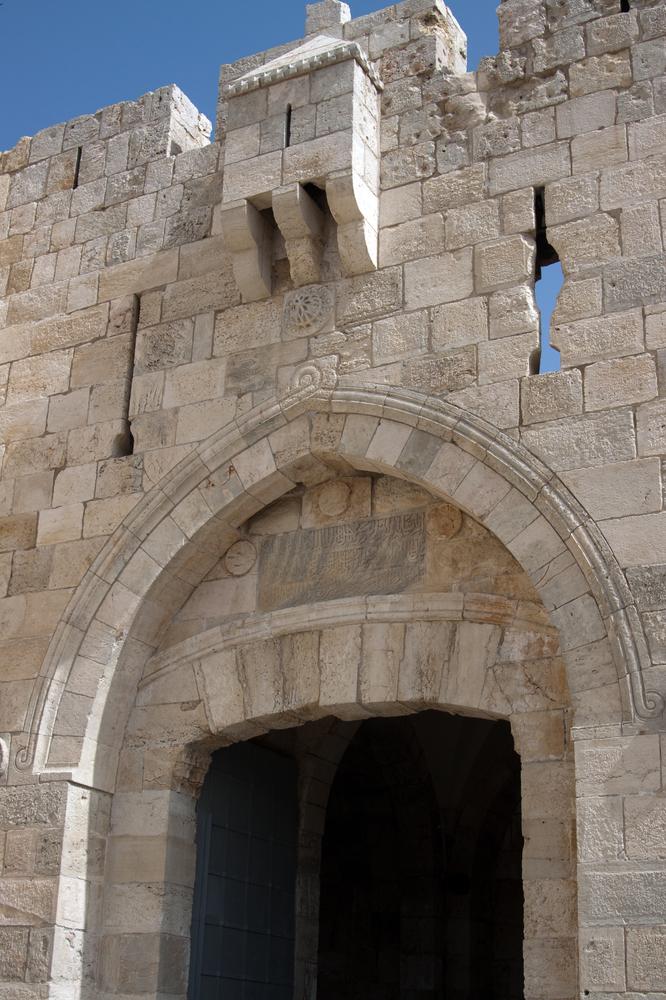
63 58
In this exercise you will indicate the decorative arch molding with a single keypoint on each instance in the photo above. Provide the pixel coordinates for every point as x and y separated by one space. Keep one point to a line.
168 540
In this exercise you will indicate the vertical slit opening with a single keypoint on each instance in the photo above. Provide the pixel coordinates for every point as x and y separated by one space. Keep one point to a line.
124 442
77 167
287 127
625 6
549 279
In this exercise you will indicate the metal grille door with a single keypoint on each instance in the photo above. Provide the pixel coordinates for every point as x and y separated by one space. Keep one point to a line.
243 915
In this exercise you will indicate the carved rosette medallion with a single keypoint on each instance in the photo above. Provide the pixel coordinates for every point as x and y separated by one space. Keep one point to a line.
308 310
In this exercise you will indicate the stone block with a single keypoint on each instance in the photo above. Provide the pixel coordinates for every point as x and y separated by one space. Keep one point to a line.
400 204
558 49
648 59
551 396
495 139
407 164
399 337
550 967
507 358
640 231
635 282
32 492
530 168
639 540
520 21
138 275
619 489
436 280
586 243
579 442
518 212
610 897
602 960
620 381
472 224
496 402
39 376
192 383
651 428
598 150
594 339
13 954
458 323
618 765
60 524
600 828
646 958
603 72
23 421
408 240
611 34
630 184
456 190
74 485
646 137
27 185
101 361
445 373
508 262
512 311
18 532
645 827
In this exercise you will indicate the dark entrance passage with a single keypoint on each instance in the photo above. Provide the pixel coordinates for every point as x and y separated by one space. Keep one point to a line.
421 890
378 860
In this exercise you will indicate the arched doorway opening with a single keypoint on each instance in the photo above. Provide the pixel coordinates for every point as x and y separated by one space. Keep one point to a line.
374 859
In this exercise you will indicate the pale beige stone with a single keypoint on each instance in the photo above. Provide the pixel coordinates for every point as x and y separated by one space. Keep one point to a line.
615 383
62 524
618 489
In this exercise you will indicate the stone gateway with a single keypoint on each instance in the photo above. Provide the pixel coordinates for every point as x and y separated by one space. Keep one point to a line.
332 626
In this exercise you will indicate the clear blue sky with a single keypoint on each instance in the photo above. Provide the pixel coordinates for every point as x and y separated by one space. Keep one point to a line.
63 58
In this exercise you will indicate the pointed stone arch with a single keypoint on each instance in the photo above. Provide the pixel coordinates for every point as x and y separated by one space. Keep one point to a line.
167 542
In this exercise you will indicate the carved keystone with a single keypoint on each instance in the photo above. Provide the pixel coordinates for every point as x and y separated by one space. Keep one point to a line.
301 222
249 239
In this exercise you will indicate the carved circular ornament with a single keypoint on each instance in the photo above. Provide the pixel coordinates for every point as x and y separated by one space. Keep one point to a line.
240 558
334 499
308 309
312 376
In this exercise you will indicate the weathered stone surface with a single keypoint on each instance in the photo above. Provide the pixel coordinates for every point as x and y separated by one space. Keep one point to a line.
251 479
584 441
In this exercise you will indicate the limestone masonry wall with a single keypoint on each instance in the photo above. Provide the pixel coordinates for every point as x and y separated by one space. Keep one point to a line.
213 353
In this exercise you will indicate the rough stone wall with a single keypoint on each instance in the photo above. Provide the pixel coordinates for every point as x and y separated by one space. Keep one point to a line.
141 314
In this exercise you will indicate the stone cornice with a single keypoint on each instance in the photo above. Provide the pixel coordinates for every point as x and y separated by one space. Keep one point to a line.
267 75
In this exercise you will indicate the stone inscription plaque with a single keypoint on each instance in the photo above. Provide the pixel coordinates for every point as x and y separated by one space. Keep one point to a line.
378 556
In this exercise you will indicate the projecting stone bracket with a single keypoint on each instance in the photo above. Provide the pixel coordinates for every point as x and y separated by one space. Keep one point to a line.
249 239
311 116
301 222
355 208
